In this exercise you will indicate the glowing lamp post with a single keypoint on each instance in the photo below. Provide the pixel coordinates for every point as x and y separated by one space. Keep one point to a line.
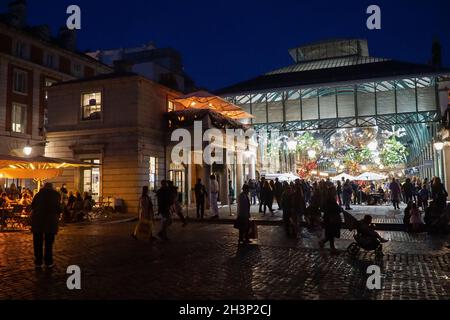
27 150
439 146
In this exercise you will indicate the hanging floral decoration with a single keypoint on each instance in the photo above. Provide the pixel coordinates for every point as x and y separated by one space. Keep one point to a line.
306 169
393 152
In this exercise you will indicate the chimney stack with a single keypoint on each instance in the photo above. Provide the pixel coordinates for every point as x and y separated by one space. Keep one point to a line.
18 13
67 39
436 53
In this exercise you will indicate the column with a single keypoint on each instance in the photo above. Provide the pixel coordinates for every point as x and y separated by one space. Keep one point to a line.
239 178
445 167
224 190
252 168
206 174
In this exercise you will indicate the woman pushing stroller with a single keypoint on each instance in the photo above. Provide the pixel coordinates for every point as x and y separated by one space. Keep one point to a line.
367 237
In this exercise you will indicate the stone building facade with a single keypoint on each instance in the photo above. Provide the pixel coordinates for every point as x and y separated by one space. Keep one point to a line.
117 121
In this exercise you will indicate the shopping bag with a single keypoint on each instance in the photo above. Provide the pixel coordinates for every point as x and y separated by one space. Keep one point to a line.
144 230
253 230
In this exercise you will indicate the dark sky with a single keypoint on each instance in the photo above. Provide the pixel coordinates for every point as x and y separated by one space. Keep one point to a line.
227 41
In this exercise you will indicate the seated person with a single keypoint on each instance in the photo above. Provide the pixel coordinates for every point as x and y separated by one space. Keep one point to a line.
4 200
25 200
368 238
78 208
71 200
88 202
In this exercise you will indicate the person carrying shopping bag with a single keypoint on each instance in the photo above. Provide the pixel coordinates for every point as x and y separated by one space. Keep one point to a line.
145 224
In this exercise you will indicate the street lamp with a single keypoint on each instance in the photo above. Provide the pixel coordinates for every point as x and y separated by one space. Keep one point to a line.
439 146
27 150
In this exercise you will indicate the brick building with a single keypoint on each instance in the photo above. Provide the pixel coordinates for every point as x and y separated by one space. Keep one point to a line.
30 61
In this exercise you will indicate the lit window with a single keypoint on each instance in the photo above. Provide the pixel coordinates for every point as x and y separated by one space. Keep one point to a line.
48 83
21 50
92 106
152 173
19 118
20 82
170 106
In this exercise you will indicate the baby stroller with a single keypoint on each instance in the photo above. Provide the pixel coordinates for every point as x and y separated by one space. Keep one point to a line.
361 242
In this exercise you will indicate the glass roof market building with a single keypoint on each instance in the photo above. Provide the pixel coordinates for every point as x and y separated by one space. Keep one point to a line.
336 100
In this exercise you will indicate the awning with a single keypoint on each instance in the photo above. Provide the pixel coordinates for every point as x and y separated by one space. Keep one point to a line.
206 100
370 176
37 168
343 175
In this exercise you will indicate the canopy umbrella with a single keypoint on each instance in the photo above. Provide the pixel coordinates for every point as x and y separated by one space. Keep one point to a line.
288 177
370 176
37 168
343 175
206 100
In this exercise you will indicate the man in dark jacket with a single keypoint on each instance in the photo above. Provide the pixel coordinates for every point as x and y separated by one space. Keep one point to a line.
278 192
165 201
200 195
46 208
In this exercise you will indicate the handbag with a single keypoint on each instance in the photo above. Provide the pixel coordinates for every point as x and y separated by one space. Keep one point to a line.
144 229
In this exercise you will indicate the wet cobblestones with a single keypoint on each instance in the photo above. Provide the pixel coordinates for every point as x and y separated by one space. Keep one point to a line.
205 262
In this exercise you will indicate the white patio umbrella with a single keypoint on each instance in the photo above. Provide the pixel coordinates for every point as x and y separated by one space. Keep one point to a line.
370 176
343 175
288 177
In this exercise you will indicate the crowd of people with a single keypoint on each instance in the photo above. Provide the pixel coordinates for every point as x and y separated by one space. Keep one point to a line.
15 196
320 204
313 204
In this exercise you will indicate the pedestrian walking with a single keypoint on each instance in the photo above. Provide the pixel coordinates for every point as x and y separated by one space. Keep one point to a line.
439 194
267 197
395 193
243 215
332 220
339 192
200 196
260 193
213 197
46 209
176 203
145 225
347 192
278 191
165 198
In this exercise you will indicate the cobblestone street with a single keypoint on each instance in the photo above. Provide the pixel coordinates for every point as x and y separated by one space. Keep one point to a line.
203 261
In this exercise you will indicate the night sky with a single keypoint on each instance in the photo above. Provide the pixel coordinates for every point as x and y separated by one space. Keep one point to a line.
224 42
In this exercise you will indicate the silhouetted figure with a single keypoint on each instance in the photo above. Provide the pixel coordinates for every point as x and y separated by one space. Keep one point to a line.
200 196
46 209
243 215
